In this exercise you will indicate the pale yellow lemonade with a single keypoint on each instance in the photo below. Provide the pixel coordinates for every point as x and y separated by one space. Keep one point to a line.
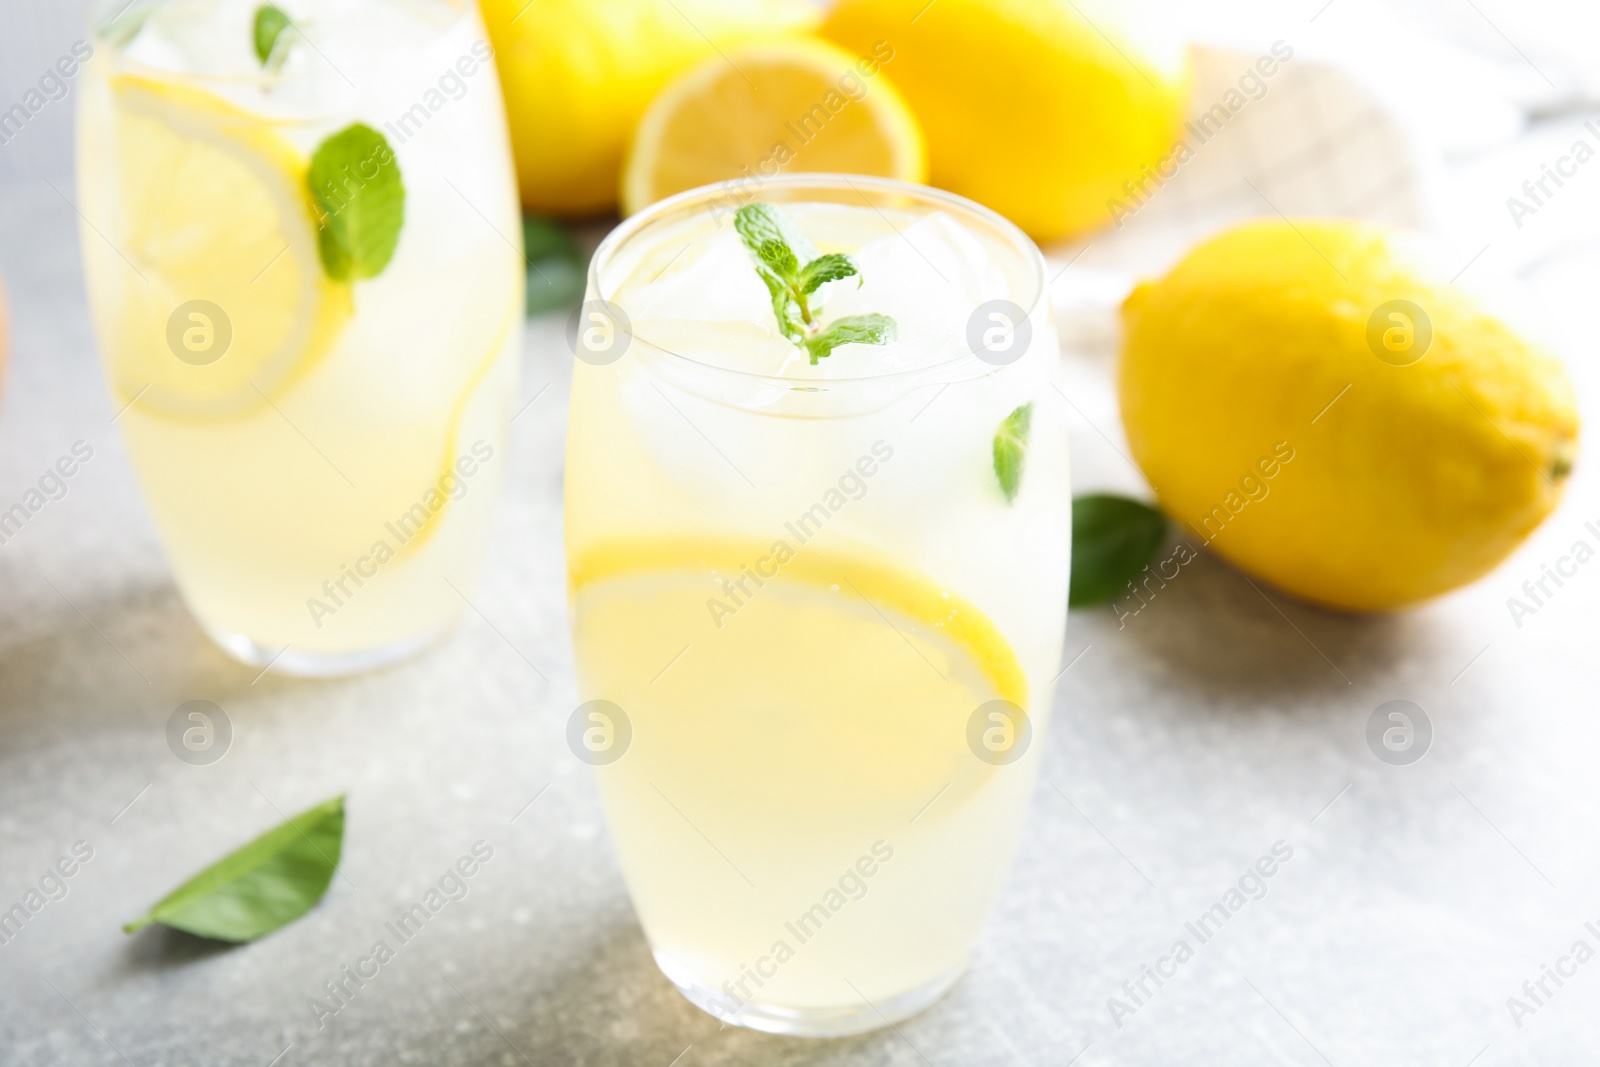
798 588
320 444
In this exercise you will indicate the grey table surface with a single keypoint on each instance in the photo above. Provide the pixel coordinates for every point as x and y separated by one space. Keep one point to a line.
1219 721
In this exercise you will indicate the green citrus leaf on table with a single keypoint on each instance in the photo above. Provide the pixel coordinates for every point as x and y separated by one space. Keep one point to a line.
1011 448
555 266
355 179
1113 538
256 889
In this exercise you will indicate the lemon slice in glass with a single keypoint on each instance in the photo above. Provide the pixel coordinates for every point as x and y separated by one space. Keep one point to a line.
217 218
965 635
860 673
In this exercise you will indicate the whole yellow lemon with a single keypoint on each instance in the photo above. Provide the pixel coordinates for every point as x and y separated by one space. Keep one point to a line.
1318 404
578 74
1028 106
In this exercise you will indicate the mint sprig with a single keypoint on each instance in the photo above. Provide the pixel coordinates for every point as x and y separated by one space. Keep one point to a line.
1011 448
355 180
270 24
792 270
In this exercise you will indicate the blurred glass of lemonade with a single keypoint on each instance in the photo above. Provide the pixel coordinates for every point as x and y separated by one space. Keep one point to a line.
321 453
798 592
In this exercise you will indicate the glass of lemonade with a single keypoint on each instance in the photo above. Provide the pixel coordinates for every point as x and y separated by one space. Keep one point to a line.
817 604
302 247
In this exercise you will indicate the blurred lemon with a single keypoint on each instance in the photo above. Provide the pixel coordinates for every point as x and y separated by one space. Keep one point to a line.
578 74
1316 401
1028 105
796 105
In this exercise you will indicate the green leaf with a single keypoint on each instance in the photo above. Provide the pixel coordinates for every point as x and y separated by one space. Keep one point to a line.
779 258
355 179
1112 540
757 224
269 26
787 314
825 269
268 883
555 266
1011 448
789 266
761 230
851 330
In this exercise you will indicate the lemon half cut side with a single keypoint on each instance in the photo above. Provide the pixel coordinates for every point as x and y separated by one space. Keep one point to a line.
780 107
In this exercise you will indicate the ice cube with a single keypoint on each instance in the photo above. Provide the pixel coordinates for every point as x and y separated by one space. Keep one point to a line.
699 294
709 279
928 277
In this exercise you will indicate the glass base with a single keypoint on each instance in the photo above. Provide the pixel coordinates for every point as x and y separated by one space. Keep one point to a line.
317 665
839 1021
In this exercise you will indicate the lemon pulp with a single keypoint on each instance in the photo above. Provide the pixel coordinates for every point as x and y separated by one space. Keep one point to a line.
796 105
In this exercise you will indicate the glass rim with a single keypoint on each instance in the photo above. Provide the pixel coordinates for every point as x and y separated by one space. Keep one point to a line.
641 220
97 24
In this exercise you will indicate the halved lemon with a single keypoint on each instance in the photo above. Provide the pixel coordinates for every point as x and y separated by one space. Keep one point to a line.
766 109
216 217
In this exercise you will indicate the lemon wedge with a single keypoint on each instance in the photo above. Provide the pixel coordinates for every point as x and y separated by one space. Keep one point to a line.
218 220
781 107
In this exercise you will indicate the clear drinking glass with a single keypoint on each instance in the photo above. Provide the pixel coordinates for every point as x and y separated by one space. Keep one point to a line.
817 610
301 241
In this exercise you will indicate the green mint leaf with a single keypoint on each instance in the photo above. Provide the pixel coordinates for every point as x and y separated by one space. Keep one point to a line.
788 315
825 269
761 230
256 889
756 224
555 266
355 179
759 223
789 266
1113 539
779 258
851 330
1011 448
269 26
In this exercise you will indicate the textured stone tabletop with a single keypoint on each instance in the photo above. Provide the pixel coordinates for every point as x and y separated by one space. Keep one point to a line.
1220 725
